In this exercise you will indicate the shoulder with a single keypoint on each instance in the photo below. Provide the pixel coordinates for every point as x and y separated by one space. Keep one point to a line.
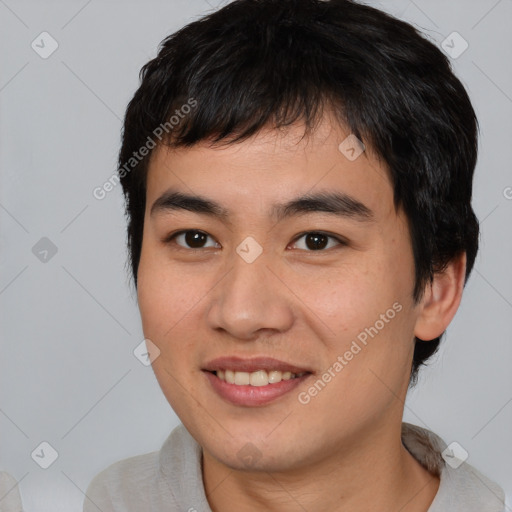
462 487
151 482
140 469
9 493
123 485
7 482
465 487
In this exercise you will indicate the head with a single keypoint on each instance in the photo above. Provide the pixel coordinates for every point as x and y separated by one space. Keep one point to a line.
251 107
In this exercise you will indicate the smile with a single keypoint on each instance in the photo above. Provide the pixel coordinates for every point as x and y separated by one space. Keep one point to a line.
257 378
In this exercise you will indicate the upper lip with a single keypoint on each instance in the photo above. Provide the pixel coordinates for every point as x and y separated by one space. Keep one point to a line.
254 364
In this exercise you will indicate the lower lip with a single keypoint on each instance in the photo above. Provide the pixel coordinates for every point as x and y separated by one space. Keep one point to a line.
251 396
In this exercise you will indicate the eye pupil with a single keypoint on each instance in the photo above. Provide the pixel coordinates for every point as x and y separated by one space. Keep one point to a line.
316 241
195 239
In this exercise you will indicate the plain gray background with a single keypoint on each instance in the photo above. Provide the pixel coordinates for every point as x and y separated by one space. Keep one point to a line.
70 323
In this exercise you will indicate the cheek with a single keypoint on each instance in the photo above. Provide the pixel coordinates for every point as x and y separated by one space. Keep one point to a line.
165 294
351 297
166 303
171 300
152 298
365 311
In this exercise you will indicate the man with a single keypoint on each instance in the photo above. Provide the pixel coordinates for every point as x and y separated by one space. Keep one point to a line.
298 178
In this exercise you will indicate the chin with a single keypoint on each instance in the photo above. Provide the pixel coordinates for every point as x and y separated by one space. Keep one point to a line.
254 450
253 458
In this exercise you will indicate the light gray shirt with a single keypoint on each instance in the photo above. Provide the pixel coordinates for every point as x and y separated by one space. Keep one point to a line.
170 480
10 500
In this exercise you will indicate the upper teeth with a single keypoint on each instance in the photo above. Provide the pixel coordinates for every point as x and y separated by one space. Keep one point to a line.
258 378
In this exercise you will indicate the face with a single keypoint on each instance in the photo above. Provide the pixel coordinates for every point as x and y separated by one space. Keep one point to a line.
232 285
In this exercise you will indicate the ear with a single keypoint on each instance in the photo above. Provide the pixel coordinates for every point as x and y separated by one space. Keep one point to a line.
441 300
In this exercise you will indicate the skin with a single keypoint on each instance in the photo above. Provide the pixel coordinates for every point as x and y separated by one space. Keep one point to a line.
342 451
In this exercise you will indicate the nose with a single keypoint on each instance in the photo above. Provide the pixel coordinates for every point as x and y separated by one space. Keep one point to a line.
250 300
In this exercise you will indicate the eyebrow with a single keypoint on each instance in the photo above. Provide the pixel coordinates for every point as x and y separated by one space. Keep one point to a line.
336 203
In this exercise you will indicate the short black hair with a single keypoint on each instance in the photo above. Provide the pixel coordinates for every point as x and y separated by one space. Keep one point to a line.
256 64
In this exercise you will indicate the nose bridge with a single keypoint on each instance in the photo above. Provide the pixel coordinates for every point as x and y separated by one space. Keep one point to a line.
249 298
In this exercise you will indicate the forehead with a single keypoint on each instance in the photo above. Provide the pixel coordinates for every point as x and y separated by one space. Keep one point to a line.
273 166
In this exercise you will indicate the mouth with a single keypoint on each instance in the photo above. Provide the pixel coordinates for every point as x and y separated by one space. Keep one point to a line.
253 382
257 378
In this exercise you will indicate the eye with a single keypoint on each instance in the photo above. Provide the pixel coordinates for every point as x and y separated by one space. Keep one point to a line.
313 240
190 239
317 241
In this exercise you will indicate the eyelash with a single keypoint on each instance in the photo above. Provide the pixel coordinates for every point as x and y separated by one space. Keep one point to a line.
171 239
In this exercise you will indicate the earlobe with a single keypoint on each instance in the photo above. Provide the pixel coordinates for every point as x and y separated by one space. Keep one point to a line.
441 300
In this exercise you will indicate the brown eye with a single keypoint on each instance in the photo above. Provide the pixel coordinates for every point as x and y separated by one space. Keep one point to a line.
315 241
191 239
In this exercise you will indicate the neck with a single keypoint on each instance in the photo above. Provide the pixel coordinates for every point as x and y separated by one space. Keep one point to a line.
375 470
